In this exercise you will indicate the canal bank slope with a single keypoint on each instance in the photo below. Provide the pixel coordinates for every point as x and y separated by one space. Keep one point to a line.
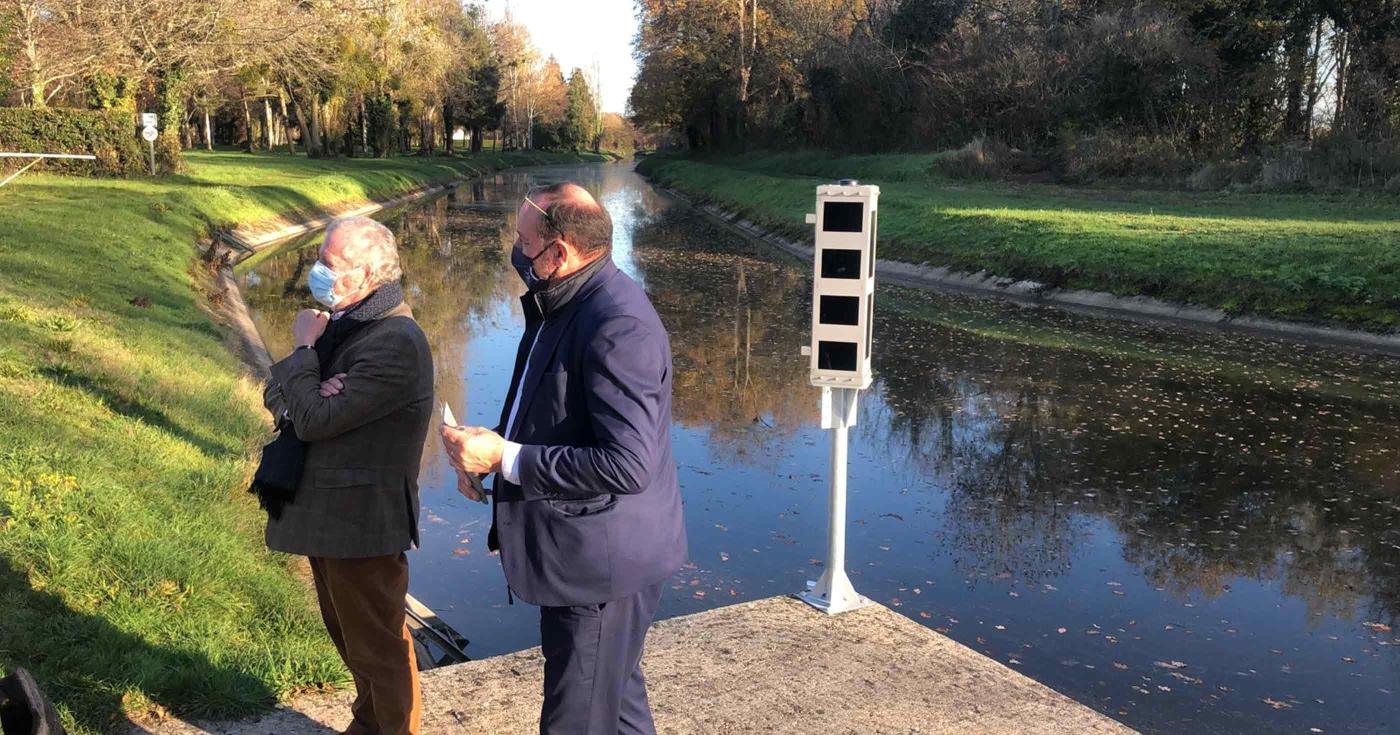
771 666
132 573
1314 268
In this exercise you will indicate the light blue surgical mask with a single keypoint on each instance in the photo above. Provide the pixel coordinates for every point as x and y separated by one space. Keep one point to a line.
321 281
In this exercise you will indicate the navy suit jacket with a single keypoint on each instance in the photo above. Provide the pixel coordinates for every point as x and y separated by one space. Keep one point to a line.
597 513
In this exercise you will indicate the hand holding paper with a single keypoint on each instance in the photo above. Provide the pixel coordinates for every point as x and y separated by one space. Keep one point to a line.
455 439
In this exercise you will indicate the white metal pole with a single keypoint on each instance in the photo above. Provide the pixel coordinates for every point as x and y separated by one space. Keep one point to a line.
16 174
836 533
833 593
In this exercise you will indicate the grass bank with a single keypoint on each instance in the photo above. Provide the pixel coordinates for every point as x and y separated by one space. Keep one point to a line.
1325 258
133 579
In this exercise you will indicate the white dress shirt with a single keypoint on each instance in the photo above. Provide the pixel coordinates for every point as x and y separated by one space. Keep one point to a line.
510 454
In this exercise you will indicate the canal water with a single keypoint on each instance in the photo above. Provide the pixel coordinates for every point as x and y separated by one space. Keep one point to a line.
1190 531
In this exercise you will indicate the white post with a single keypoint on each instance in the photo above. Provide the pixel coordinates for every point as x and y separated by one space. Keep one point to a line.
833 593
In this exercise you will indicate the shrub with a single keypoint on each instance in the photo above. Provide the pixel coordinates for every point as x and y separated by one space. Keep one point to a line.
1287 172
1342 160
111 136
981 158
1115 155
1392 186
1210 177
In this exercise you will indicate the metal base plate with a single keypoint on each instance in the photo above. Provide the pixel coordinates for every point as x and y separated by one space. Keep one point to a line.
833 605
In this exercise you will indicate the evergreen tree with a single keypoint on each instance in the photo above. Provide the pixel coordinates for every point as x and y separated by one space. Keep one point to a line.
579 114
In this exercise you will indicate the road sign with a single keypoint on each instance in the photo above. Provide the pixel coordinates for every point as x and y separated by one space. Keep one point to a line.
843 313
150 134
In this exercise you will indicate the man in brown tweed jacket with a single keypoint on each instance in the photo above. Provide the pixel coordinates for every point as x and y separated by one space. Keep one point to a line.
358 389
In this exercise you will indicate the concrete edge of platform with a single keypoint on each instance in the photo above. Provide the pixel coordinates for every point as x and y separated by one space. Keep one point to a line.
772 666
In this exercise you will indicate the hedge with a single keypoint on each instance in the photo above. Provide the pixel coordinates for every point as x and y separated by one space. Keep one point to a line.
110 135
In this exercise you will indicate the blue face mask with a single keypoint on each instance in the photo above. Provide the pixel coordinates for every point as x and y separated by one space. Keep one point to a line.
321 281
525 266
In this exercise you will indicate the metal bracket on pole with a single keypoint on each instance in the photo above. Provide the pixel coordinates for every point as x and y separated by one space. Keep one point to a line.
833 593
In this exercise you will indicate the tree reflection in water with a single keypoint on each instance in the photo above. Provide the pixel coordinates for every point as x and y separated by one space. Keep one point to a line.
1209 468
736 322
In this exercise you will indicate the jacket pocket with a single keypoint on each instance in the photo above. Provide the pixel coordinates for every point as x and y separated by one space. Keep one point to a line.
584 507
339 477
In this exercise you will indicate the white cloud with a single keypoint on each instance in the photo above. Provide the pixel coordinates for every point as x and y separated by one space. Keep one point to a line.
578 33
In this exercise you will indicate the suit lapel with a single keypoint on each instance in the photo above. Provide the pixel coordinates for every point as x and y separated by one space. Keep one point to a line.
552 332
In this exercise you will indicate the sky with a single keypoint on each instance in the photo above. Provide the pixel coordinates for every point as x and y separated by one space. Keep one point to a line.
579 32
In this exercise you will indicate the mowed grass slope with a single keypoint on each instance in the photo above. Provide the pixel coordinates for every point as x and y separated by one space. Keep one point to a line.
1333 258
133 578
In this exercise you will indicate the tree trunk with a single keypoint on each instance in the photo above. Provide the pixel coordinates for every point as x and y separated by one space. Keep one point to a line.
364 125
286 123
248 144
268 141
1295 52
316 143
1343 69
311 149
208 132
1313 86
37 100
449 129
476 139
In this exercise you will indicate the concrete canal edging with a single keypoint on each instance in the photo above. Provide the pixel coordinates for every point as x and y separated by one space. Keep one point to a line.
1098 303
770 666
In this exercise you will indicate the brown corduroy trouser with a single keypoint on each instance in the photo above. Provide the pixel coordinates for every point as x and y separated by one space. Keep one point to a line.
362 602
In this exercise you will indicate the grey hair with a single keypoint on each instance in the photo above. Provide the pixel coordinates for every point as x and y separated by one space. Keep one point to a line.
373 246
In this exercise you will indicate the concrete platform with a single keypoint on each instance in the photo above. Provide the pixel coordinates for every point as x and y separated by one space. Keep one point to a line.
771 666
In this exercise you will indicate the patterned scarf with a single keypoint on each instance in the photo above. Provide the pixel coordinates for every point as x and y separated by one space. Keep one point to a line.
375 305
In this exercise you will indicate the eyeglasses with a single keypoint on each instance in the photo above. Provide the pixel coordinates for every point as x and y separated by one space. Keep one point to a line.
548 220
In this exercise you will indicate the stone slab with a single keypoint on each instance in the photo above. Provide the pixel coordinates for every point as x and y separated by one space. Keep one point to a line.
770 666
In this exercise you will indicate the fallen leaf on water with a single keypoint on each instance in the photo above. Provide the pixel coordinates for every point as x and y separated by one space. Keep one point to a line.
1277 704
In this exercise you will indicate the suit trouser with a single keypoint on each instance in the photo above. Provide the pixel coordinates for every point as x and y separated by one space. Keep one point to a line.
593 681
362 602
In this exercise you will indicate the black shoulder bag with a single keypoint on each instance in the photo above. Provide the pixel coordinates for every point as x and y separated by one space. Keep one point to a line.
279 472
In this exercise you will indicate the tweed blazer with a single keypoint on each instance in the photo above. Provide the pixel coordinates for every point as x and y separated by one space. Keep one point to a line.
358 496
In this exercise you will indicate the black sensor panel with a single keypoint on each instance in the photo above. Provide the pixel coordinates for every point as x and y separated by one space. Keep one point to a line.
839 310
843 216
836 356
840 263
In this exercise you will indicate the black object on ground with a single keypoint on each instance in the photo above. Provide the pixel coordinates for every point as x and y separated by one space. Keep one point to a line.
23 708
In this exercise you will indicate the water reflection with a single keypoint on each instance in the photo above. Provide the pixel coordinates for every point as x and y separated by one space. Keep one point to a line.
1185 530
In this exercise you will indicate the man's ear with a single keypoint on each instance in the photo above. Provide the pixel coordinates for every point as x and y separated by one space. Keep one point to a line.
571 253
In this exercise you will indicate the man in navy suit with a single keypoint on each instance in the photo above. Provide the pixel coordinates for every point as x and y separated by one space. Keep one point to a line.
587 511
